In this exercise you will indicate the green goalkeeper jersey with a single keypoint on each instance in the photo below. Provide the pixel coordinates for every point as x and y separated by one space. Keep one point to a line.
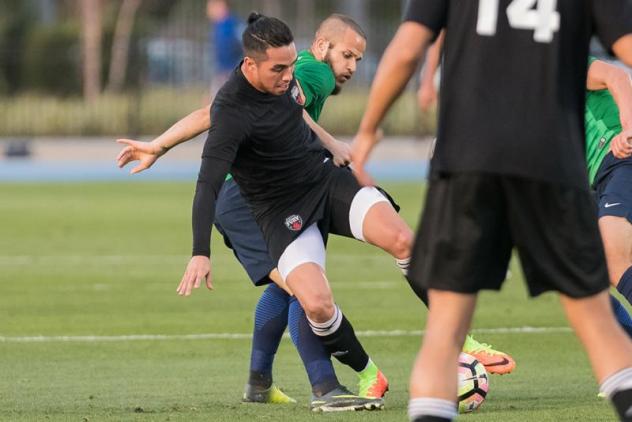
602 124
317 82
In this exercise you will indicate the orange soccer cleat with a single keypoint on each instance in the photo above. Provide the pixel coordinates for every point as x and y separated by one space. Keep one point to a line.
495 362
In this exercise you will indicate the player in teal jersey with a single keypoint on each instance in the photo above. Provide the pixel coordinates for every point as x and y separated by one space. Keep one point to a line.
608 120
605 120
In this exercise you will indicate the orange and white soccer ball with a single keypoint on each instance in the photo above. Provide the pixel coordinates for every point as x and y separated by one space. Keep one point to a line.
473 383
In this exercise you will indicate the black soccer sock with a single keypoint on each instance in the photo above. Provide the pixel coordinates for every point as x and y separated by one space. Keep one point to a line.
625 285
340 341
622 401
426 409
618 388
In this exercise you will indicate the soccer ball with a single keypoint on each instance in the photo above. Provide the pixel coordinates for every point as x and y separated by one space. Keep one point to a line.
473 383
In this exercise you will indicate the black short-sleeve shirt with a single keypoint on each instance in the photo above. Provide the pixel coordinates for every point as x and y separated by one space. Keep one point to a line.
513 83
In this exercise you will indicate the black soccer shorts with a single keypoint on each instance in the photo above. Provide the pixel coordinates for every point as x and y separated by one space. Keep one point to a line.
472 222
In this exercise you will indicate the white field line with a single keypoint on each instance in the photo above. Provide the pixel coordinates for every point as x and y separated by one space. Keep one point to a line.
247 336
28 259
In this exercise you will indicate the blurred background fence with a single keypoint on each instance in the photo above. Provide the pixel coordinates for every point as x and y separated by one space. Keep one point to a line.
133 67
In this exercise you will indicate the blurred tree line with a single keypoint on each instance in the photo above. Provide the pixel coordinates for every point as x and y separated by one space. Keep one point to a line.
106 67
52 47
68 47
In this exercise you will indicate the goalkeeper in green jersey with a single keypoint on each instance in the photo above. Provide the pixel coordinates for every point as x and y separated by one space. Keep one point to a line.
608 150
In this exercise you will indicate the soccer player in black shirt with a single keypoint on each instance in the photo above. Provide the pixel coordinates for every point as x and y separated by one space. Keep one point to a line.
508 170
297 195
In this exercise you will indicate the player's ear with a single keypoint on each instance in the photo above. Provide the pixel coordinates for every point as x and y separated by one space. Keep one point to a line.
322 45
250 63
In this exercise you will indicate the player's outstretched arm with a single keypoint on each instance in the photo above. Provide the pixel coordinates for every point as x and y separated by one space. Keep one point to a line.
340 150
211 177
602 75
146 153
223 141
395 70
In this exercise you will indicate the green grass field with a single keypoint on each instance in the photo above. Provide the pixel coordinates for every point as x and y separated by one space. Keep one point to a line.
97 260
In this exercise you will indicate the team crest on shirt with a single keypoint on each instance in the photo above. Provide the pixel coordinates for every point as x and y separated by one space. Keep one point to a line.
296 95
294 222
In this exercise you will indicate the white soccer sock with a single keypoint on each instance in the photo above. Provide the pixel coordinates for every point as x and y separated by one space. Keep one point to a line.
426 406
328 327
403 265
621 380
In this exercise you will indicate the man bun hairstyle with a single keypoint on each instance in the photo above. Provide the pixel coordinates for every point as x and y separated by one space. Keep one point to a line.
264 32
253 17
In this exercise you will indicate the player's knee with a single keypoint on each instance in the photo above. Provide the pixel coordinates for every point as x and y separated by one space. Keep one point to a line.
319 308
402 243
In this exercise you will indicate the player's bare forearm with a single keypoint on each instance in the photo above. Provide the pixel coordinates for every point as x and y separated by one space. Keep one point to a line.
147 153
602 75
395 70
427 93
185 129
340 150
433 58
324 136
623 49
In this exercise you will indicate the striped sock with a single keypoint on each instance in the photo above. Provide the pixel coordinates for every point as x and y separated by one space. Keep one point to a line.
328 327
339 339
428 409
621 380
403 265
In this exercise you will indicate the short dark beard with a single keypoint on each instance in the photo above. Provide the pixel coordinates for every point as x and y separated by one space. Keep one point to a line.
327 60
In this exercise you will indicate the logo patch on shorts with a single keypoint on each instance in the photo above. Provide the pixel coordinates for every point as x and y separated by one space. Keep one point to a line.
294 222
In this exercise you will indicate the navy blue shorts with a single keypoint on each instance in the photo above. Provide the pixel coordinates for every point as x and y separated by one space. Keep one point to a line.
613 187
234 220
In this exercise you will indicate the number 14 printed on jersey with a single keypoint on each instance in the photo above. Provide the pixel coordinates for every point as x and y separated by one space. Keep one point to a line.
541 16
